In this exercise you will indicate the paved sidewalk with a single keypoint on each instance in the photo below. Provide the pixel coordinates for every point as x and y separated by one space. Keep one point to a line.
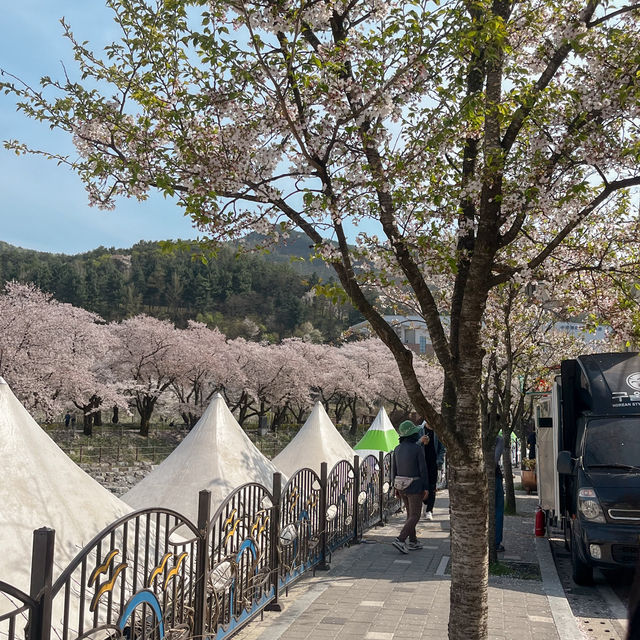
373 592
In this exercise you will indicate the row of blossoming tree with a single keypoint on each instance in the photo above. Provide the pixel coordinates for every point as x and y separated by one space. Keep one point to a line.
58 356
472 144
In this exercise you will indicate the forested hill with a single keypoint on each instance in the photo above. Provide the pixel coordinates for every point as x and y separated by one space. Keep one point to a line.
257 296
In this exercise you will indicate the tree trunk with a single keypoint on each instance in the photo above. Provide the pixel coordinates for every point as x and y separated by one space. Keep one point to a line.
490 474
354 418
243 408
87 422
94 402
145 409
144 425
469 568
517 427
278 417
115 417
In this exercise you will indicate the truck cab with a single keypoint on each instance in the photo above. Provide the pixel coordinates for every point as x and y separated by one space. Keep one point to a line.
595 424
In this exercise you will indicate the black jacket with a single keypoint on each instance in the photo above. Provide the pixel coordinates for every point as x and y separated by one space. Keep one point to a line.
409 460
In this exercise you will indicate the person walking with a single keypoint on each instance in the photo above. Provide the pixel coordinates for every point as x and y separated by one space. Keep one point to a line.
411 482
434 455
531 442
499 493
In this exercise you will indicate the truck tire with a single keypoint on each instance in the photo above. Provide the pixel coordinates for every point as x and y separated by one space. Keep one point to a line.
581 571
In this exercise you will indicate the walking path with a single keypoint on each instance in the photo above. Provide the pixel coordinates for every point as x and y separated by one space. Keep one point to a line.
373 592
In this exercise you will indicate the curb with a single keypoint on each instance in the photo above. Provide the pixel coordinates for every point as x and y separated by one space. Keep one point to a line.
562 615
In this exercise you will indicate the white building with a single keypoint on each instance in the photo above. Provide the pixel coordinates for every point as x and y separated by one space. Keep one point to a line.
577 329
412 330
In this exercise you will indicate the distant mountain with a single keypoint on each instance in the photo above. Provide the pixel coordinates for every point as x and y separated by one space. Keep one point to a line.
226 290
296 250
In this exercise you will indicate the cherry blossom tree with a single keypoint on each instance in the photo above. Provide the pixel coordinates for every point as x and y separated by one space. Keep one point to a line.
53 354
273 379
87 381
323 371
305 370
522 343
368 377
144 359
31 329
201 369
469 142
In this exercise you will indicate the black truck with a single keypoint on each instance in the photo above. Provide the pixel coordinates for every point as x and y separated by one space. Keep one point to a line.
595 422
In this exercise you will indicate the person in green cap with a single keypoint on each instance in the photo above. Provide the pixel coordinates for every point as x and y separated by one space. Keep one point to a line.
411 482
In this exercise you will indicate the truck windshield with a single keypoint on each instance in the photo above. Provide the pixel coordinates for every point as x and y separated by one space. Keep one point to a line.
613 443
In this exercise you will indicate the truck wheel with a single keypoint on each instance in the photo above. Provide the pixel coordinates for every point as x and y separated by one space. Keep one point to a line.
581 571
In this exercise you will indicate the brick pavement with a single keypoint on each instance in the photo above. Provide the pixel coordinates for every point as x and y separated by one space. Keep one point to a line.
372 592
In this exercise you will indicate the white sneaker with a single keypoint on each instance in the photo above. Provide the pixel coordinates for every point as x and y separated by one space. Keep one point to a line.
429 515
414 546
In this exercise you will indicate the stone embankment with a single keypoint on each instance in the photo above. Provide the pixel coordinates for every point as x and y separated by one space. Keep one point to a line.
117 479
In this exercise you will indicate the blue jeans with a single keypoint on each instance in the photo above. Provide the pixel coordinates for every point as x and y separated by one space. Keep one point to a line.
499 510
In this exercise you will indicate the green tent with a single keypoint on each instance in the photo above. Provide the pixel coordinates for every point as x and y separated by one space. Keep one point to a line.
380 436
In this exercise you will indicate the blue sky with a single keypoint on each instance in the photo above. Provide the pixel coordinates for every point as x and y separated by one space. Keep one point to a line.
44 206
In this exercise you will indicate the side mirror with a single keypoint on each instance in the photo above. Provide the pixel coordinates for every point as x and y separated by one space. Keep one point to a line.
565 463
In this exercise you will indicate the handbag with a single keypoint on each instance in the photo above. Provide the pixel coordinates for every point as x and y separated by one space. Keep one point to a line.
402 482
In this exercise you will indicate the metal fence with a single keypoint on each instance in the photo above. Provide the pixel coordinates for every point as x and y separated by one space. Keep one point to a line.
153 574
119 453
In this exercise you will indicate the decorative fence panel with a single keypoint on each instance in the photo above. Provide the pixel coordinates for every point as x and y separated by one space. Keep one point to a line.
136 578
370 494
240 568
301 525
153 574
390 502
341 486
17 612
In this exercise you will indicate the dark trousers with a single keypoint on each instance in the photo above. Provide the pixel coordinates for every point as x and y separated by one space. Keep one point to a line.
413 505
431 498
499 510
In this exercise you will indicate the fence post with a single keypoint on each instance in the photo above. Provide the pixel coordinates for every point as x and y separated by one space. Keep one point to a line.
274 559
41 576
202 564
356 493
381 486
323 565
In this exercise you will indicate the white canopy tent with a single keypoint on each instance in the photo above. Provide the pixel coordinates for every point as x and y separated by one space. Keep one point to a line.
40 486
317 441
216 455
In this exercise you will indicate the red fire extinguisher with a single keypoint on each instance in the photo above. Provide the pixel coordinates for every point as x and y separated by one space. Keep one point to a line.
540 522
